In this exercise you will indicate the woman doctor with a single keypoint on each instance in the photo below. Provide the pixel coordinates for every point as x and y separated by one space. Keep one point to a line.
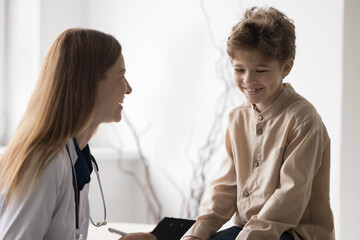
45 169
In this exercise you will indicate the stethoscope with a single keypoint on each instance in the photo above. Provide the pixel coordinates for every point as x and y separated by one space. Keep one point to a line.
79 236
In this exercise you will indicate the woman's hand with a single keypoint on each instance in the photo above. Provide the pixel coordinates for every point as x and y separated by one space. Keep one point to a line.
139 236
191 238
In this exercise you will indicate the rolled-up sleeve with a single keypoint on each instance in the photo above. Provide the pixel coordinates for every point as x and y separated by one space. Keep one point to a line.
220 203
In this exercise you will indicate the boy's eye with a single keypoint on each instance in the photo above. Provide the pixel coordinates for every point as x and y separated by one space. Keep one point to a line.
239 70
261 71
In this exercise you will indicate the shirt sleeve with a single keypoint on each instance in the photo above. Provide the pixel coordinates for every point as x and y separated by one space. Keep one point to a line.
220 201
29 216
284 209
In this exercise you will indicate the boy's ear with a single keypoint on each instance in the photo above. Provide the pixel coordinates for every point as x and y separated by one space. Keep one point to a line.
287 66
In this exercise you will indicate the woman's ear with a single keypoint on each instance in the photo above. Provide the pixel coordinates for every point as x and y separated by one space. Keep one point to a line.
287 66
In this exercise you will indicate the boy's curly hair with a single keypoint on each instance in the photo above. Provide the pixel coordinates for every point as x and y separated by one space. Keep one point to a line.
267 30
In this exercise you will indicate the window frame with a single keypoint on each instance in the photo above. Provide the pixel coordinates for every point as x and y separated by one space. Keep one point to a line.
3 87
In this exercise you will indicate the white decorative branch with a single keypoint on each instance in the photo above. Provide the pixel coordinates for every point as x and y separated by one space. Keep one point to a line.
215 137
152 202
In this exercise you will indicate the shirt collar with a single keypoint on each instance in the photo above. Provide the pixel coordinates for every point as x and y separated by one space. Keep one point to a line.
279 104
83 166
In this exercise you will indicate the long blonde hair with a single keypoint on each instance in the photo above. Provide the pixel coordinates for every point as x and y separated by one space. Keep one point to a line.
60 107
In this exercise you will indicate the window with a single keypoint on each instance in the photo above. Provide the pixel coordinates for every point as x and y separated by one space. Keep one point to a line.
19 61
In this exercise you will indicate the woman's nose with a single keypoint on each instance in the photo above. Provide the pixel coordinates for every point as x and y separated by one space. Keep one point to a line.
128 87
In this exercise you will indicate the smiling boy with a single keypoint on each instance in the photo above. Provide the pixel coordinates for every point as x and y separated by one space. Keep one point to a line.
276 176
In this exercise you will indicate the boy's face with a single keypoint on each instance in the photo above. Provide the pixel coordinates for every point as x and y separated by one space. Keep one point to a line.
258 78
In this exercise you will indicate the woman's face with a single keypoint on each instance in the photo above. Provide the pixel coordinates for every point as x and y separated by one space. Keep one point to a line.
111 93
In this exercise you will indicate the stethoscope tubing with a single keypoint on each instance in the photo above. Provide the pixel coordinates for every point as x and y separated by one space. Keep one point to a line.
76 195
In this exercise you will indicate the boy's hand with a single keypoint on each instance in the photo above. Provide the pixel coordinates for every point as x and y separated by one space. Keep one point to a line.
191 238
139 236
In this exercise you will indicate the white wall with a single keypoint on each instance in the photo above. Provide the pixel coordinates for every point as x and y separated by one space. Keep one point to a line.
172 66
57 16
350 165
22 59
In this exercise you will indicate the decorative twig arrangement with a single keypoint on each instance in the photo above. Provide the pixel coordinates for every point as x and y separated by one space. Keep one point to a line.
152 202
215 137
190 207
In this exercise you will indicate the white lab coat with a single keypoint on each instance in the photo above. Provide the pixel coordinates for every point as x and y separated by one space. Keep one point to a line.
49 211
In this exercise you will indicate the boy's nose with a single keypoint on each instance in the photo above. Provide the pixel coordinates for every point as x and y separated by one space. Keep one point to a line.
248 77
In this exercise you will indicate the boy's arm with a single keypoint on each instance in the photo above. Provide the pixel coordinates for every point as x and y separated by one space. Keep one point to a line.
303 158
220 200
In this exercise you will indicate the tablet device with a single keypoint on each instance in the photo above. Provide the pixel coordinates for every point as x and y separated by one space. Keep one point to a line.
172 228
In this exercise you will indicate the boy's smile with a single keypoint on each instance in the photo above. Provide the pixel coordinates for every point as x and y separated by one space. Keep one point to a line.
258 78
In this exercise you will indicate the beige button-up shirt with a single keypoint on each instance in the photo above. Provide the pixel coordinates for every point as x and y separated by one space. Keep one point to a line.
276 175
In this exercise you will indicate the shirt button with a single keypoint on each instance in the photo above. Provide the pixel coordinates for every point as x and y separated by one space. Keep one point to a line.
259 131
256 164
246 194
260 117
